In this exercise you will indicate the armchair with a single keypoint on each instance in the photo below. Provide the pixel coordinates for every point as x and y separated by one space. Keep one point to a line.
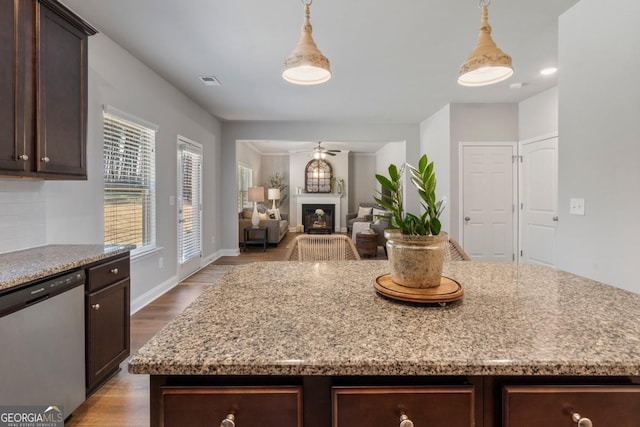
363 214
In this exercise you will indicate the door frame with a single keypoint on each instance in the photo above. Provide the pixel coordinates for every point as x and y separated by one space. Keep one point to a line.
516 185
520 190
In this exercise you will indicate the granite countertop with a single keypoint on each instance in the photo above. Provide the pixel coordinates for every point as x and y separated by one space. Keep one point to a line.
17 268
291 318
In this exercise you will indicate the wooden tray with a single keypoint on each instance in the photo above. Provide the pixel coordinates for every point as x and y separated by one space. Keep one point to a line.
448 291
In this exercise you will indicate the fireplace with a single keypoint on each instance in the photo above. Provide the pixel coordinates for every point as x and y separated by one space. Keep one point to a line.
331 200
311 221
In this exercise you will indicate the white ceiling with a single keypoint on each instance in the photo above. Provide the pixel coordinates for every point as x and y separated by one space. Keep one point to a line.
392 61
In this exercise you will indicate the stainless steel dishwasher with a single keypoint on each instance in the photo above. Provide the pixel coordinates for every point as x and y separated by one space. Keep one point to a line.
42 336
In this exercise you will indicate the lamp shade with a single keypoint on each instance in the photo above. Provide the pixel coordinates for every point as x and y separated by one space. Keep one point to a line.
487 64
306 65
256 194
273 194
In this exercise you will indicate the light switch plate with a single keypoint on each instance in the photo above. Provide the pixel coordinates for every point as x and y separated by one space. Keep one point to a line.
576 206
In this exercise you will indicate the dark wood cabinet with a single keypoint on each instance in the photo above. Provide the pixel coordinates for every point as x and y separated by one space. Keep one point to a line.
243 406
107 311
43 72
534 406
438 406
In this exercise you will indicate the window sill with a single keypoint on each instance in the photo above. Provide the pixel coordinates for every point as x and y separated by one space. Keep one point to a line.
147 253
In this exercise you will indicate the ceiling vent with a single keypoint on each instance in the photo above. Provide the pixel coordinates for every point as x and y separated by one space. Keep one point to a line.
210 81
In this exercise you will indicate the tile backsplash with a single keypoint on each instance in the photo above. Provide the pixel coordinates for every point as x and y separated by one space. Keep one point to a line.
22 215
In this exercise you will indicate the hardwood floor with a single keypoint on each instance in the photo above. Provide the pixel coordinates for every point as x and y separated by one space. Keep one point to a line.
124 399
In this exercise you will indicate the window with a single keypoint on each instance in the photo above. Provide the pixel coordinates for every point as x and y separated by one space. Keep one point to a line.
129 181
317 177
245 180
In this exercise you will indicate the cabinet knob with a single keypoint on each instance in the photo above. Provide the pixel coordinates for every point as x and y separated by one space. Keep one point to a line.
45 159
229 421
96 306
114 271
581 422
23 157
405 421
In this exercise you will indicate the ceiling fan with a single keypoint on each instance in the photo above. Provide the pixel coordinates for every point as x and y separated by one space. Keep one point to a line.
320 152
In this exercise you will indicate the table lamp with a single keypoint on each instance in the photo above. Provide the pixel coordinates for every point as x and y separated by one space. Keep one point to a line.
256 194
273 194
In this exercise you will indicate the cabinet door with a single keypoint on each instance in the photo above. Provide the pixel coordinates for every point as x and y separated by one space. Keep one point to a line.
14 155
107 331
436 406
61 96
249 406
535 406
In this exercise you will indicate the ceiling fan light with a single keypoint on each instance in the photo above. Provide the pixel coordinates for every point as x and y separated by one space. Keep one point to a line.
486 64
306 65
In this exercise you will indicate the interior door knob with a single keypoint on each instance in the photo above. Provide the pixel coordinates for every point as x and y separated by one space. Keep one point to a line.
555 218
467 218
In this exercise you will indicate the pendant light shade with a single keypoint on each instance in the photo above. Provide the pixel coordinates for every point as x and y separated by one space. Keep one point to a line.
306 65
487 64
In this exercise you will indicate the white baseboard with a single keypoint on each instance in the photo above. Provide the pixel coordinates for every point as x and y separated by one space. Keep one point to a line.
152 294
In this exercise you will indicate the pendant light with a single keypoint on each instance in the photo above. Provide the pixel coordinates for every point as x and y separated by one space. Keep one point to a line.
306 65
487 64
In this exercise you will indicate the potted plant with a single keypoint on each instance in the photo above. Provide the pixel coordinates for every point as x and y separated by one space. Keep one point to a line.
415 243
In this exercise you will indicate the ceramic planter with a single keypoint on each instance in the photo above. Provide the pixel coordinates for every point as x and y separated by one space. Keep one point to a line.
416 261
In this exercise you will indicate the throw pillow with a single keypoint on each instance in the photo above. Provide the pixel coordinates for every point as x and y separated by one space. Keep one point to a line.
263 216
247 213
362 211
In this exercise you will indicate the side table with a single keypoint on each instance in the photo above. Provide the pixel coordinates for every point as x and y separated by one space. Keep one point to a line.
258 235
367 244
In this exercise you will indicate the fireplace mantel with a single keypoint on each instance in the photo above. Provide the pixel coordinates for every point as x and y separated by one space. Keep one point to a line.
320 198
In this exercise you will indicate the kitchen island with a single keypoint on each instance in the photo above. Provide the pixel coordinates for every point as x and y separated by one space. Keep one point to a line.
314 332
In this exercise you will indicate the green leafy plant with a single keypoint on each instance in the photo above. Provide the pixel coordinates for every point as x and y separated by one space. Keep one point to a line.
423 179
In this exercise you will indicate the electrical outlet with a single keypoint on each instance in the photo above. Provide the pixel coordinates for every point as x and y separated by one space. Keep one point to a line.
576 206
213 240
172 200
160 262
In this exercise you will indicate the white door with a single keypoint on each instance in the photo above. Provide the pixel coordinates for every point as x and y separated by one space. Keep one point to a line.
189 206
488 188
539 201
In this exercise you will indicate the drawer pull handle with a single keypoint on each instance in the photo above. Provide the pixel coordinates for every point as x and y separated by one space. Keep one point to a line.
96 306
405 421
229 421
582 422
114 271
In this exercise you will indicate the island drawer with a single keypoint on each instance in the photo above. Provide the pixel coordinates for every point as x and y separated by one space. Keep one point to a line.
107 273
604 405
268 406
433 406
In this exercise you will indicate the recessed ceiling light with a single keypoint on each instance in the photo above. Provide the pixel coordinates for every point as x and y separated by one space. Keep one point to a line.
210 81
548 71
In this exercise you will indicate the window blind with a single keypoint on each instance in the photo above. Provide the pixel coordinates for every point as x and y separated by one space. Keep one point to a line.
190 209
129 182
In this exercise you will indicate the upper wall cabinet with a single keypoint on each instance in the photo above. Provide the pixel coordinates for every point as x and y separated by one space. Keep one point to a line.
43 70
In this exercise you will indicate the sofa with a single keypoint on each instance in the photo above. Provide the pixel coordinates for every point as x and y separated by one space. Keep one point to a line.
277 229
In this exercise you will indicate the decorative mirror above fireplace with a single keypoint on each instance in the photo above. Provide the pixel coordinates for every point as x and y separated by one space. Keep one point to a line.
317 177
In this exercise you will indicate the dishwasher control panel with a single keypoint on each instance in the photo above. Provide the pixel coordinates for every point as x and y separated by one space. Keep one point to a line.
23 296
